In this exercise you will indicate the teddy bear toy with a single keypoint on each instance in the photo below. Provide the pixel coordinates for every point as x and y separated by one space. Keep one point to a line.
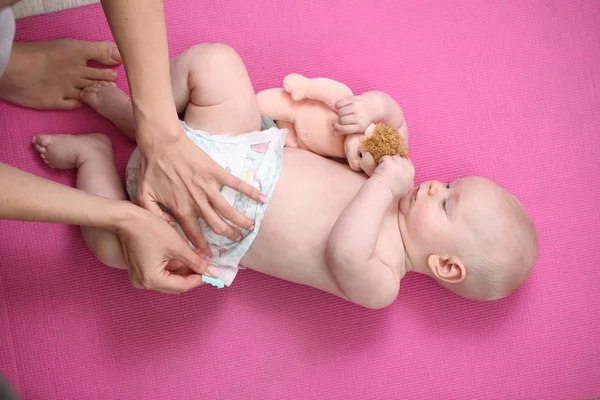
307 109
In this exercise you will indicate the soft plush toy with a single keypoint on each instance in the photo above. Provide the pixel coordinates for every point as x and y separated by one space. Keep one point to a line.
307 108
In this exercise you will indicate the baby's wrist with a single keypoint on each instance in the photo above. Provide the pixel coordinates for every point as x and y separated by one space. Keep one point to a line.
375 105
378 183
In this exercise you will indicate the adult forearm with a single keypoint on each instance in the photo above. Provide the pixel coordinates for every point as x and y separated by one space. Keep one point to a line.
27 197
139 29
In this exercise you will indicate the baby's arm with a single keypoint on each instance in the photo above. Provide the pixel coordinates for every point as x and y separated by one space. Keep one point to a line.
356 113
361 276
387 110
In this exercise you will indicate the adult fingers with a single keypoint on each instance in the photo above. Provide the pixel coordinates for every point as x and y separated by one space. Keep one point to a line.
226 179
219 226
191 227
196 263
146 201
228 212
177 284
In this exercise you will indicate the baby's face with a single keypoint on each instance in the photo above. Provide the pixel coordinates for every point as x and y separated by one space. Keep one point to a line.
442 218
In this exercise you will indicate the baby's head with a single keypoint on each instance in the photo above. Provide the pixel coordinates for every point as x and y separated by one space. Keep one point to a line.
472 236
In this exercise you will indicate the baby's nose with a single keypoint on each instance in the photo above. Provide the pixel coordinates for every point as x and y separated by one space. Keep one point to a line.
434 187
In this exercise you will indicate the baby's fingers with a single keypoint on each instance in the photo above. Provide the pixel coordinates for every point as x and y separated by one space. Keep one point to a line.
345 129
344 102
347 110
351 119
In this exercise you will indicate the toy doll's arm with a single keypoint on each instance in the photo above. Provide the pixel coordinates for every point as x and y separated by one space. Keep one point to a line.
361 276
324 90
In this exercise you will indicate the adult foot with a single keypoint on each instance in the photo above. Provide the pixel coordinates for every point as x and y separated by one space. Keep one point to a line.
112 103
50 75
70 151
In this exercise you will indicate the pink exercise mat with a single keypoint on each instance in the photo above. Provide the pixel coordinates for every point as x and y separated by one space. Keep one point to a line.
507 89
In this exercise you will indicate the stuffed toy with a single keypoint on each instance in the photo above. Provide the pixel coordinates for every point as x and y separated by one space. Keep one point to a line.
306 108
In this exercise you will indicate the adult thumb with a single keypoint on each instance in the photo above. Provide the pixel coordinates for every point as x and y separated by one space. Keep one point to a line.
196 263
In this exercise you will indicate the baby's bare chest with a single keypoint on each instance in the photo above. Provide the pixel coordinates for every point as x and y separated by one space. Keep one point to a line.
310 195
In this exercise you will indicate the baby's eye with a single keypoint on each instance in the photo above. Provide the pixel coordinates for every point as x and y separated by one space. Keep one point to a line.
444 204
360 154
448 185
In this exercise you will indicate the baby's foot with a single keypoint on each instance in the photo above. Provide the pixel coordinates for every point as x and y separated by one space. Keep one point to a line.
112 103
50 75
295 85
70 151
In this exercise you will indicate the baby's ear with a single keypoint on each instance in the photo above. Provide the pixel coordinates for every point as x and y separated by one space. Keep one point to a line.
447 268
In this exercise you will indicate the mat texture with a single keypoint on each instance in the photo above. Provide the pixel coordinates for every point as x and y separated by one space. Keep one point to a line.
507 89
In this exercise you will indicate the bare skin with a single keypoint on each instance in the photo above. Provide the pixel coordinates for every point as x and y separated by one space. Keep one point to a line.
286 247
326 226
50 75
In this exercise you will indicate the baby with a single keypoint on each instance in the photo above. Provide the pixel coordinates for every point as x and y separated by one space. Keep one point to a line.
323 225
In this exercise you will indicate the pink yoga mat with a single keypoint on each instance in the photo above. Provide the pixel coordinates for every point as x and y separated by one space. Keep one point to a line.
507 89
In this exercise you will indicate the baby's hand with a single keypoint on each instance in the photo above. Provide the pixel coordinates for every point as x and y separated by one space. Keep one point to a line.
355 114
396 173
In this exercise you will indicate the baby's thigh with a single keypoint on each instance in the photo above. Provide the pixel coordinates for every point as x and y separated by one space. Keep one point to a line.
222 99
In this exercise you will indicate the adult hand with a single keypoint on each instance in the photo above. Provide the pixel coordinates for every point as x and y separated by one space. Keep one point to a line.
159 258
176 173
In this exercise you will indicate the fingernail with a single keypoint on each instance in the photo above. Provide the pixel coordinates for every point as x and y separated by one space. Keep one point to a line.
115 55
214 271
251 227
238 238
263 198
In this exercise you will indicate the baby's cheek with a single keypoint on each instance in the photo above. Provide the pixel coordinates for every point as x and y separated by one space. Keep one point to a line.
419 226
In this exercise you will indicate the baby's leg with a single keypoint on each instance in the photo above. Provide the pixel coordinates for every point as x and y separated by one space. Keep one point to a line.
214 81
210 83
96 173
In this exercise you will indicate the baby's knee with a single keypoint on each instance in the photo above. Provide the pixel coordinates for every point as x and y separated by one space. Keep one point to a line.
217 54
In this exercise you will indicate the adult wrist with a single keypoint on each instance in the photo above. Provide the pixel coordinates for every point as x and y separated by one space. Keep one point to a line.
151 131
122 214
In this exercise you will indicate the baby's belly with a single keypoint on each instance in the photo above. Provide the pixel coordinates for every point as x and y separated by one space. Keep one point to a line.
309 197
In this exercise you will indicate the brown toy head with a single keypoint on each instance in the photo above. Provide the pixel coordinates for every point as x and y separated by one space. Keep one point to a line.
385 140
380 140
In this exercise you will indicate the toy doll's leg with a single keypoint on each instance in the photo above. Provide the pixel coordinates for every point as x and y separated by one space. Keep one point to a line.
92 156
222 99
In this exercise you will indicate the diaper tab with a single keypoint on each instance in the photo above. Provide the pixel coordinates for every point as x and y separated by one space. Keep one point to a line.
213 281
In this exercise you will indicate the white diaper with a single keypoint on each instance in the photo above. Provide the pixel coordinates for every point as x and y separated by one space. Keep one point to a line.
256 158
